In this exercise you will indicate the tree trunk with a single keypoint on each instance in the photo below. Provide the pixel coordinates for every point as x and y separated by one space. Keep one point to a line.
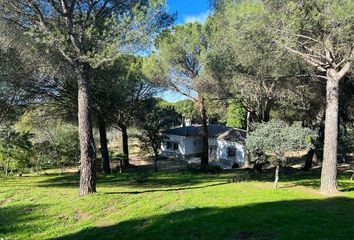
329 167
276 177
7 167
104 147
247 156
205 141
156 156
125 145
266 111
87 148
309 159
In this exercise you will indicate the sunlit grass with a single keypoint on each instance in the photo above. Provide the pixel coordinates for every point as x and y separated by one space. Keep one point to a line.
174 206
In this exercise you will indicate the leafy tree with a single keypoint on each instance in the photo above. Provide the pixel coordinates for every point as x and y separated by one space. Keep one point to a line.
87 34
20 81
15 150
152 123
55 142
275 139
244 64
236 116
186 108
138 89
62 149
321 34
177 64
111 105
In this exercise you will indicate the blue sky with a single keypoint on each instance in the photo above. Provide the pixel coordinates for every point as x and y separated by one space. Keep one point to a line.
188 11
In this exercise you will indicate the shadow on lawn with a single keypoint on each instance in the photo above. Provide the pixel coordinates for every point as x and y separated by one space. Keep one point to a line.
289 177
300 219
168 190
19 218
151 180
312 179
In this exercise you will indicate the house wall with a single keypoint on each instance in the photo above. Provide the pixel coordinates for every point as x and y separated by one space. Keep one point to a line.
181 146
191 146
222 152
187 146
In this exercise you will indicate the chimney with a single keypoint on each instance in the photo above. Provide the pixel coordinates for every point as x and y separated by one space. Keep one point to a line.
188 122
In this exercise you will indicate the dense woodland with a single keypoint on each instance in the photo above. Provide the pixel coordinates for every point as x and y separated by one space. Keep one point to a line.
72 71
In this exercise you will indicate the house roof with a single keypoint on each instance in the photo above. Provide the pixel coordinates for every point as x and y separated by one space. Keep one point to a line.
220 132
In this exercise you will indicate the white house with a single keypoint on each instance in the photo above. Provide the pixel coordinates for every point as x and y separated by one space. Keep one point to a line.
226 145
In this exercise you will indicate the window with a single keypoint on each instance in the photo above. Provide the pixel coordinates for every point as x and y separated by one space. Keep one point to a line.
168 144
231 152
175 145
172 145
212 149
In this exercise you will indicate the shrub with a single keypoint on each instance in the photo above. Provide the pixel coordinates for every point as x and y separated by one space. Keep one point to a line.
61 149
15 150
274 139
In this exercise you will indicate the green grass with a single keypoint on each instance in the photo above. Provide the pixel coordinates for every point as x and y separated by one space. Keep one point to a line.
175 206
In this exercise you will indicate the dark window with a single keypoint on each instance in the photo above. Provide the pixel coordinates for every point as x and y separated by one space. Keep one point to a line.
172 145
231 152
212 149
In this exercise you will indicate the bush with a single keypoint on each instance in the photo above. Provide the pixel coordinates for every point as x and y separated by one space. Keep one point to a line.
15 150
275 139
61 149
55 143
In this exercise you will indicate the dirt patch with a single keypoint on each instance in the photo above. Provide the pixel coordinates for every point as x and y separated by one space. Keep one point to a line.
80 215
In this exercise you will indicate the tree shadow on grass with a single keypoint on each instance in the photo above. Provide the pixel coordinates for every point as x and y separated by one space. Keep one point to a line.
312 179
299 219
19 218
168 189
135 180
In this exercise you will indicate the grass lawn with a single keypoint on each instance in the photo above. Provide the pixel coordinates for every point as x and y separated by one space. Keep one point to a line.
178 205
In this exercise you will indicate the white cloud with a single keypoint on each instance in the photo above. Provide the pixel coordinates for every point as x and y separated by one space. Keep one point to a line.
201 18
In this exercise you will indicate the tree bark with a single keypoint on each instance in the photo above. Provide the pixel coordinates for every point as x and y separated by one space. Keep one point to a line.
309 159
87 148
247 156
125 145
205 140
7 167
156 156
329 167
266 111
276 177
104 146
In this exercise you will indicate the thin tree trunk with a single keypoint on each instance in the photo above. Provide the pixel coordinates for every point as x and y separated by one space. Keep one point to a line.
329 167
87 149
276 177
104 146
247 157
7 167
266 112
205 141
125 142
156 155
309 159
